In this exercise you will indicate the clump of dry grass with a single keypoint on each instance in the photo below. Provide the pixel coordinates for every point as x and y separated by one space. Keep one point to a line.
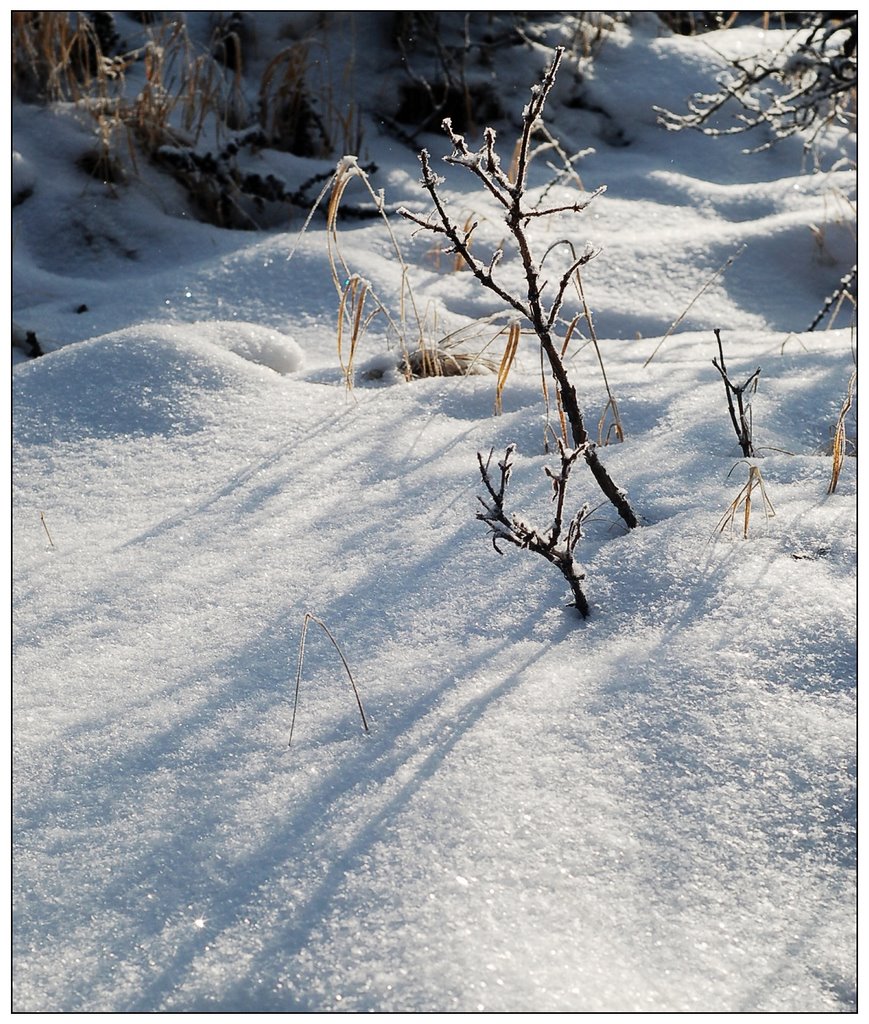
841 442
743 500
359 304
175 79
439 361
59 56
300 107
286 114
55 55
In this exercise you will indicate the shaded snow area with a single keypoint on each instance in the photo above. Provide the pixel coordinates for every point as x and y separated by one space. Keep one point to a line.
648 810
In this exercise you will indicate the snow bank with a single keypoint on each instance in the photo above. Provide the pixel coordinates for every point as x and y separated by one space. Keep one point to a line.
649 811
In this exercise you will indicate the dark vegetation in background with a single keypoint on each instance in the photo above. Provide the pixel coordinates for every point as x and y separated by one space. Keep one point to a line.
450 62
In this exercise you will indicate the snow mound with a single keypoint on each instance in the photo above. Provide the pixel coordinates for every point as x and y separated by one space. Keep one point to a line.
23 178
154 379
258 344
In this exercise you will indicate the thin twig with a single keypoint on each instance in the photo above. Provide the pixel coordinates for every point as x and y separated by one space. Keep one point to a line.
45 527
742 422
306 621
684 312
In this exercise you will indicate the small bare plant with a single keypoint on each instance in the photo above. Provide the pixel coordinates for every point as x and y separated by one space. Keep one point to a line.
511 194
556 544
510 191
740 413
743 500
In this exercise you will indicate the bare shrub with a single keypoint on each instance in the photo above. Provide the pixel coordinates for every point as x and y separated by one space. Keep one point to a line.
806 86
510 191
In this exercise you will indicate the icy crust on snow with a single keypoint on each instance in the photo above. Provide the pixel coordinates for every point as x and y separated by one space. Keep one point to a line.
652 811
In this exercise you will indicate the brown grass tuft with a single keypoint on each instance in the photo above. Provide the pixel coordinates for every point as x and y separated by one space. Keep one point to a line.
743 499
840 438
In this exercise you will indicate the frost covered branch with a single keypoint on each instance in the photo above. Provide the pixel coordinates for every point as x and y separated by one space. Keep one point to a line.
806 86
554 544
510 193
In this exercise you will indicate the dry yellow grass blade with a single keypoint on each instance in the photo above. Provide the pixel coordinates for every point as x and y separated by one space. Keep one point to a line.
514 162
603 437
351 310
840 437
754 483
506 364
568 334
467 228
340 181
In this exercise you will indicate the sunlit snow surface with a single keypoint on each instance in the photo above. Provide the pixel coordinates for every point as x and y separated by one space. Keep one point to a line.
652 810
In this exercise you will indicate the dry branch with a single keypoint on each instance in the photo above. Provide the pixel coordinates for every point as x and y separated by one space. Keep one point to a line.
555 544
510 192
740 414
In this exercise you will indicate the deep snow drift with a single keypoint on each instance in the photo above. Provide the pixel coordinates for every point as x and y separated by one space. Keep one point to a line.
651 810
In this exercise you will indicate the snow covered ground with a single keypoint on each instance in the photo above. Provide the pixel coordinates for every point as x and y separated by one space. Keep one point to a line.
650 810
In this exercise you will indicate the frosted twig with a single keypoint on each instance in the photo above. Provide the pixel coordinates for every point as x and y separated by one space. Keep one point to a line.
309 618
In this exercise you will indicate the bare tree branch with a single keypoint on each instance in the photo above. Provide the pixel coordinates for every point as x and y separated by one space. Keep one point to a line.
549 544
558 543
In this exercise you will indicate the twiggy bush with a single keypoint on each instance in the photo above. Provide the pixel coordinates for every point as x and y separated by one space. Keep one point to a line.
510 191
806 87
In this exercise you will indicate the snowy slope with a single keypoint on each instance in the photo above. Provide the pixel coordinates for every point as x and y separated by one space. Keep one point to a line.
651 810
